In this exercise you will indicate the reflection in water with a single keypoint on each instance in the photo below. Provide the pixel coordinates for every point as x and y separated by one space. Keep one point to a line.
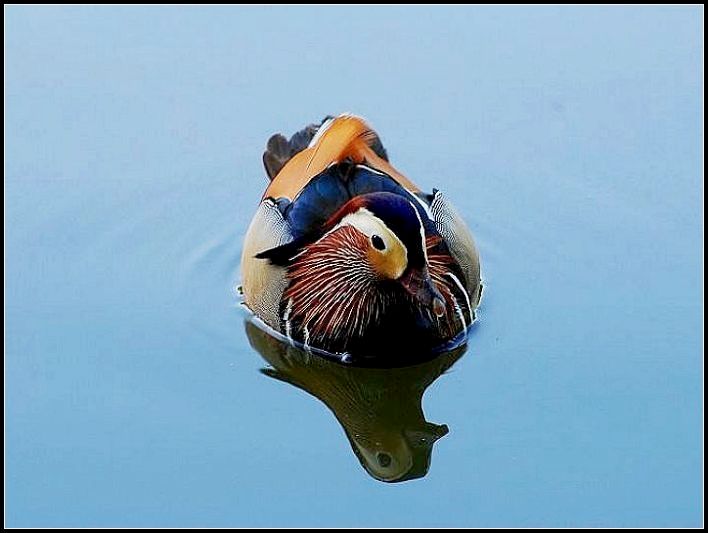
379 409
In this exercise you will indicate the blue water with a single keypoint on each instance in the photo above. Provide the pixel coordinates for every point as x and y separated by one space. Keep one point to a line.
570 140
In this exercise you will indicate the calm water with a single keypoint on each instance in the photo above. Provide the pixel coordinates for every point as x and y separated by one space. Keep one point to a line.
569 138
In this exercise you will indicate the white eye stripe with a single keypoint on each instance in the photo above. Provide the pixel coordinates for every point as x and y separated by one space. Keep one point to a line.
369 224
365 221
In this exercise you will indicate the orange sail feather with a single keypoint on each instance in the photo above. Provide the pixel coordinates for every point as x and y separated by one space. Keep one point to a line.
346 137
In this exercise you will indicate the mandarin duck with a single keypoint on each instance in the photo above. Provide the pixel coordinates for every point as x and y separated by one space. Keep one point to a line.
345 253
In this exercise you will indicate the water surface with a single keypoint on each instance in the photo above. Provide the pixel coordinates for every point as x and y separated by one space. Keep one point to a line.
569 139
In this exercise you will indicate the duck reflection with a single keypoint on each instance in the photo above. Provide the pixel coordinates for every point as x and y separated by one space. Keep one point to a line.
379 409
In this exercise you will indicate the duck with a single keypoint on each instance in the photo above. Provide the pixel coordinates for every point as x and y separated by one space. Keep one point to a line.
345 253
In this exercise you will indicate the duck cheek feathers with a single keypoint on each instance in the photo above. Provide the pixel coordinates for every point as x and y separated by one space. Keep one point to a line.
389 264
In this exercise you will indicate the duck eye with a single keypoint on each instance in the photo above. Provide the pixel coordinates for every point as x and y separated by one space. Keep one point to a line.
378 242
383 459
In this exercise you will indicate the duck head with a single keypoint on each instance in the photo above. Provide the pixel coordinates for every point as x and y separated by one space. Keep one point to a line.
390 230
369 259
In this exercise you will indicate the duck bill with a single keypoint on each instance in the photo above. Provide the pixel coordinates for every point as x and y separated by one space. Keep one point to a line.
419 285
